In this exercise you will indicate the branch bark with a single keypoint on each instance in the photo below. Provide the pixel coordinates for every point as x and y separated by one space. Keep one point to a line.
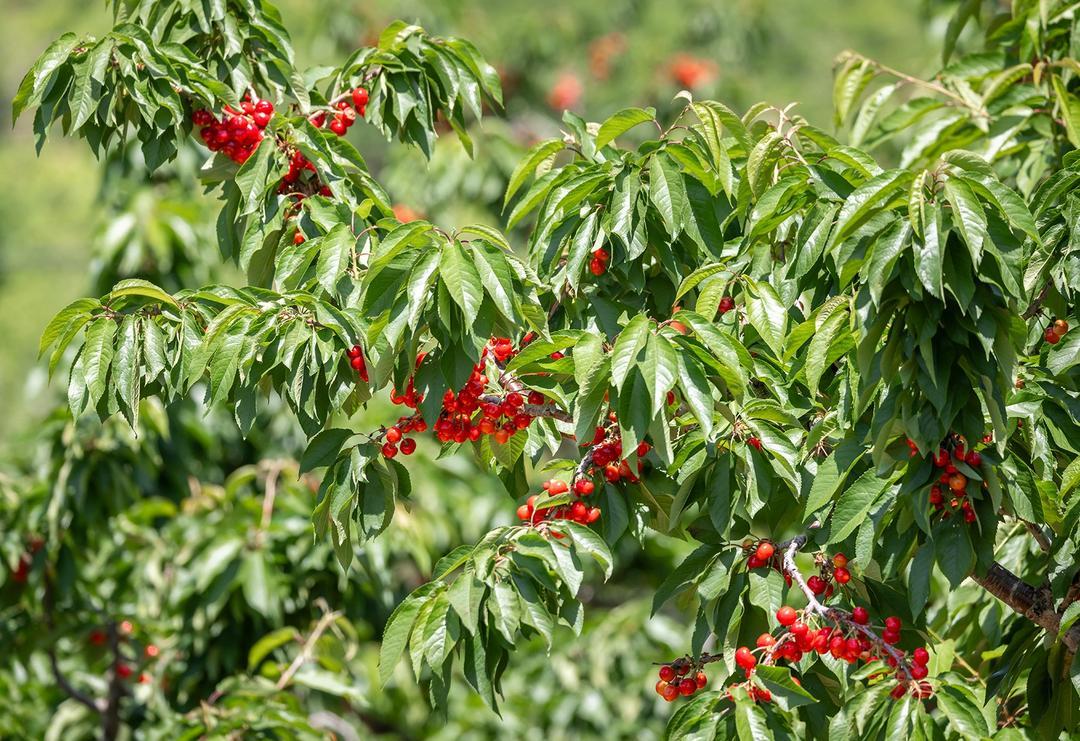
1036 604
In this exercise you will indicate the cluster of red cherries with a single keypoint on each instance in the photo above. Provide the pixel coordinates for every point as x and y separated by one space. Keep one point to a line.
949 492
681 677
348 110
846 640
123 669
607 454
356 361
598 263
470 413
576 511
394 436
238 134
1056 331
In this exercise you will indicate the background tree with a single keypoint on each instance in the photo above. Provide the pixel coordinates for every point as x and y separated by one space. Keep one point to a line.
871 400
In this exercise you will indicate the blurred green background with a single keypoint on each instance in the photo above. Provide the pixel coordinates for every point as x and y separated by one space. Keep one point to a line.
593 57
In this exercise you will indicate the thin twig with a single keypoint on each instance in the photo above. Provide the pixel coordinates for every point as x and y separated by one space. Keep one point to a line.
305 653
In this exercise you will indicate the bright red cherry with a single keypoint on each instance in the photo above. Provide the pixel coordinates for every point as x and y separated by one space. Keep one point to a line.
860 615
786 615
765 550
667 673
408 446
389 450
727 303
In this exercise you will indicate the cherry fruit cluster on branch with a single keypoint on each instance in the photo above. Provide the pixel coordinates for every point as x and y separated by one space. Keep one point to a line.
575 511
1056 331
239 132
949 493
348 108
684 676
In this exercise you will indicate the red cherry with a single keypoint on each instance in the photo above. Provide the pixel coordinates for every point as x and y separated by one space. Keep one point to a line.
839 560
744 658
786 615
123 671
389 450
338 126
765 550
408 446
583 487
701 679
393 435
667 673
918 671
842 575
765 640
1060 327
860 615
1051 336
921 656
593 515
892 623
524 512
360 97
890 637
670 692
973 459
727 303
687 687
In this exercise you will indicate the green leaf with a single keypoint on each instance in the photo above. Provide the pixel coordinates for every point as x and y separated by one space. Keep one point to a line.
621 122
928 253
667 191
777 679
968 216
628 344
398 627
750 722
537 160
89 73
963 712
97 356
268 643
696 391
818 352
658 368
768 316
462 281
323 449
591 543
335 254
865 200
79 308
33 84
704 272
139 287
854 504
252 178
1070 109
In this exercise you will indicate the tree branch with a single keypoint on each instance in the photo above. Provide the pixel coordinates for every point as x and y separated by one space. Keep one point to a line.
1036 604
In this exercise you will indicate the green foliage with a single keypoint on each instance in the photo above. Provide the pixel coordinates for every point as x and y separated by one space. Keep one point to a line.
793 322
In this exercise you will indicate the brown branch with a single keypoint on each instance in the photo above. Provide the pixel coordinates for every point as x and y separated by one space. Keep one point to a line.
61 680
110 714
69 689
1036 604
1036 305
